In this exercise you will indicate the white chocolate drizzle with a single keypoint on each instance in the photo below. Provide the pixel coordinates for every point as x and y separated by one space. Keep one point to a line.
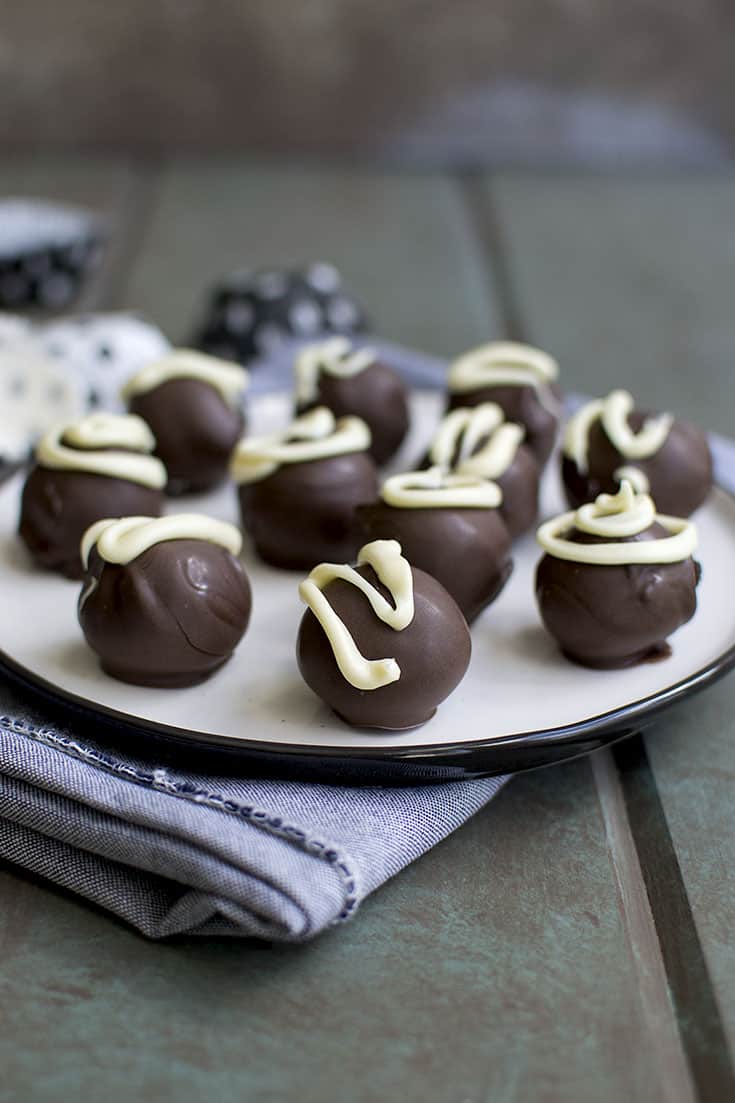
334 357
394 571
614 412
637 478
505 364
615 517
229 379
121 540
436 489
113 445
455 446
313 436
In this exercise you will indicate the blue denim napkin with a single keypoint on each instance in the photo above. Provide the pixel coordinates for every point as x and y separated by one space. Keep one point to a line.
172 852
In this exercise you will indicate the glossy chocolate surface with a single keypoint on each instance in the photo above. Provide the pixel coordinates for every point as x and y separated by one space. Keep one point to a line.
57 508
171 617
433 653
615 616
680 473
378 395
195 431
467 550
304 513
522 405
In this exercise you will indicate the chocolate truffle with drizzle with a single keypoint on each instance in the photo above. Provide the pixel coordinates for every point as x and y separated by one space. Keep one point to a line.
354 382
382 643
449 526
86 470
617 579
299 489
193 404
478 441
165 600
608 440
521 379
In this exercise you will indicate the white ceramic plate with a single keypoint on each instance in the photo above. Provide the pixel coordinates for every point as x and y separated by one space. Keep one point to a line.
521 703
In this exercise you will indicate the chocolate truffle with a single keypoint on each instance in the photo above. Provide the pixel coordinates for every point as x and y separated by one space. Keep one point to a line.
83 472
382 643
449 526
192 403
299 489
617 579
478 441
608 440
353 382
165 601
521 379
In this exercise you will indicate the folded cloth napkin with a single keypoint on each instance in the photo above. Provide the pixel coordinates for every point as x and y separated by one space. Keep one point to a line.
172 852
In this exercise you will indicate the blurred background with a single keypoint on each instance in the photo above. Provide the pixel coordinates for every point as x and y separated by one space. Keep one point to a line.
428 81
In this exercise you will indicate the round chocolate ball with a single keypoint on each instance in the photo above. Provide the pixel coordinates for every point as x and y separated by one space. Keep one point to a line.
57 508
433 654
304 513
195 430
679 474
376 394
614 616
467 550
524 406
169 618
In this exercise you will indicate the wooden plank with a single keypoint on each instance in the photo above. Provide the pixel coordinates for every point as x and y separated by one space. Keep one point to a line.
493 969
110 186
628 281
401 242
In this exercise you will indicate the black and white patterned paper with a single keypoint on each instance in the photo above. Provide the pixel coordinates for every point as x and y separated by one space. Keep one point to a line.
46 252
251 314
56 371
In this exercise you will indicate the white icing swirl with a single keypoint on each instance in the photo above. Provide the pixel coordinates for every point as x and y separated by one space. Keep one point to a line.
113 445
614 412
637 478
229 379
615 517
121 540
333 357
504 364
313 436
385 557
455 446
435 489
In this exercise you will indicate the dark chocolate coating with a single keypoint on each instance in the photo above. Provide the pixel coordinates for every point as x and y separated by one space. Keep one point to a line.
195 431
467 550
433 653
171 617
522 405
57 508
615 616
377 395
304 513
520 486
680 473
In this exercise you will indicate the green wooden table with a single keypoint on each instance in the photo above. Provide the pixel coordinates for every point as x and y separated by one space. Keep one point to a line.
574 941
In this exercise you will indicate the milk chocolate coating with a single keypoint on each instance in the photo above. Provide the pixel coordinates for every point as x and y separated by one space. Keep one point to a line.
171 617
433 654
522 405
615 616
304 513
519 484
467 550
195 431
57 508
680 473
377 395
